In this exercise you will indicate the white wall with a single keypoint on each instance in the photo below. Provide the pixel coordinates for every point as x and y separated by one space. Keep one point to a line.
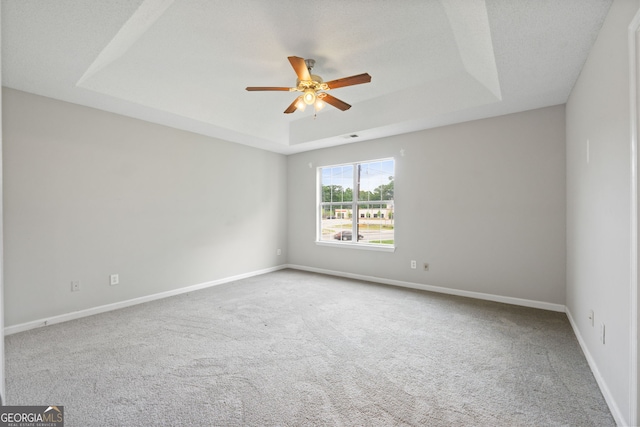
598 207
482 202
89 193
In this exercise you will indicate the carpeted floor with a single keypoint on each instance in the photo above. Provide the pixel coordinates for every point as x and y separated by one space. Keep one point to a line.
293 348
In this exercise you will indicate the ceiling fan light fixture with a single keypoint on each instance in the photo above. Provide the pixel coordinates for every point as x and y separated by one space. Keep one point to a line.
319 105
309 96
300 105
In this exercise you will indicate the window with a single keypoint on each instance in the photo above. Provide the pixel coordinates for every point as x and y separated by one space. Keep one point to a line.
357 200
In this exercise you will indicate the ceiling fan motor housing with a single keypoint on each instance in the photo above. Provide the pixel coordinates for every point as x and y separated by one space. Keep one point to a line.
310 63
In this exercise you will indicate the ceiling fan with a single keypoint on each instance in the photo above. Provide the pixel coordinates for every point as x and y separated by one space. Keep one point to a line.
311 86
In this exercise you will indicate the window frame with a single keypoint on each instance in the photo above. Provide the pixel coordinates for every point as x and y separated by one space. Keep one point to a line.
355 209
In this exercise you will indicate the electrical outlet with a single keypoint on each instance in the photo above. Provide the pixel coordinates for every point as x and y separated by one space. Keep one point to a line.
413 263
426 266
114 279
75 286
278 252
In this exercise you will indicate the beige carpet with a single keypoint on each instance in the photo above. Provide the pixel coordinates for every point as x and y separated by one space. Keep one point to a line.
292 348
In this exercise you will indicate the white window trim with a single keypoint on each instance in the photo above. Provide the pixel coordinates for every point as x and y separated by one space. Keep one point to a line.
343 244
362 246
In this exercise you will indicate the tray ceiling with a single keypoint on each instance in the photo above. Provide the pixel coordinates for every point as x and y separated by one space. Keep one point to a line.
186 63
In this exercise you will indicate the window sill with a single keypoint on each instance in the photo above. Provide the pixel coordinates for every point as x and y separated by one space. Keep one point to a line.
361 246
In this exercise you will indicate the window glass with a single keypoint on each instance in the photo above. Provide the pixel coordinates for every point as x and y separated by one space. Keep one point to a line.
336 222
337 184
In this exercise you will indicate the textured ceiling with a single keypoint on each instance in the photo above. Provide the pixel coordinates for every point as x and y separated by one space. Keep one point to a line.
186 63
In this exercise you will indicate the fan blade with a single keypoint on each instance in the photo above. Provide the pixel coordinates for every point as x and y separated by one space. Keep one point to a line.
349 81
300 68
254 88
293 107
340 105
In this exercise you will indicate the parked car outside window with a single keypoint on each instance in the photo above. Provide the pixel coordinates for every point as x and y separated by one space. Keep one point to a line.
346 235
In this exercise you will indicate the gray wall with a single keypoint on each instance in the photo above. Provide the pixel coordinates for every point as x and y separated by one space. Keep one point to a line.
482 202
89 193
2 380
598 206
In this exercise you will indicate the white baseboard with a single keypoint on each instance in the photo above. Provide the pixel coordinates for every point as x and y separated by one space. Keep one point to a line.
477 295
122 304
608 397
108 307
